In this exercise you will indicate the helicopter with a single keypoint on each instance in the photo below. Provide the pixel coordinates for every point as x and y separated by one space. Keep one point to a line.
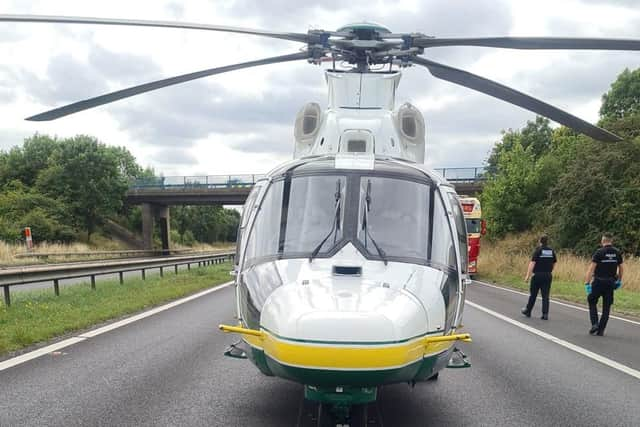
351 265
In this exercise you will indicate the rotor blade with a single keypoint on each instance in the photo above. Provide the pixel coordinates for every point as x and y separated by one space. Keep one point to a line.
136 90
298 37
497 90
532 43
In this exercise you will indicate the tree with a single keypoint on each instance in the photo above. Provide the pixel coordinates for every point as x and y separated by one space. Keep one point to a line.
26 162
88 177
623 99
599 191
536 137
21 207
508 197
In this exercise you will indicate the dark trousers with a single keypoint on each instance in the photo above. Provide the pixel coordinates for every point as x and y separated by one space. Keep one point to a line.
600 288
539 282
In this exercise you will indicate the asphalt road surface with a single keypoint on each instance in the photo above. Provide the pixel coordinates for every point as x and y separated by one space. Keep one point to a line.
168 369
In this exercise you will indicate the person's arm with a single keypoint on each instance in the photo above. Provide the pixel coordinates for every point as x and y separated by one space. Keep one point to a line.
620 272
590 271
529 270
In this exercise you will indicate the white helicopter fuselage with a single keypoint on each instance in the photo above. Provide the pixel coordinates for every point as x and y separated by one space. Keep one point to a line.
351 264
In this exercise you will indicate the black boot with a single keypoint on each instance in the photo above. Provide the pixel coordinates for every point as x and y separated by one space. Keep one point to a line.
593 330
525 312
545 316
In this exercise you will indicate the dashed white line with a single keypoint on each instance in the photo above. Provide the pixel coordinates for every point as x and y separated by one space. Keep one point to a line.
583 351
9 363
553 301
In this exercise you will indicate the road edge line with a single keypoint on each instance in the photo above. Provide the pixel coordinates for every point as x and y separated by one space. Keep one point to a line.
18 360
580 350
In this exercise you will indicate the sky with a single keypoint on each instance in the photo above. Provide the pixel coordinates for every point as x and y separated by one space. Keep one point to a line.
242 122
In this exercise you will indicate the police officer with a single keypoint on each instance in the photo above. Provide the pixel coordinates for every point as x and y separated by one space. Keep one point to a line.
603 277
540 268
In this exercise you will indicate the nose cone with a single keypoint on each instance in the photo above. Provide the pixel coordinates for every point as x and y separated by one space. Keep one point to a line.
344 313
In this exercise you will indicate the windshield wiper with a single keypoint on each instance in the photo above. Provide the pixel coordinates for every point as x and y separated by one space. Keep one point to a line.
365 227
335 226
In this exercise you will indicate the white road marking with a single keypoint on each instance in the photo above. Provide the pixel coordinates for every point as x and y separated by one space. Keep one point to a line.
598 358
40 352
554 301
90 334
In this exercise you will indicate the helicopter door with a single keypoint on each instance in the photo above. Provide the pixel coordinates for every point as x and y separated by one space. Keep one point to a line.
461 233
443 255
247 210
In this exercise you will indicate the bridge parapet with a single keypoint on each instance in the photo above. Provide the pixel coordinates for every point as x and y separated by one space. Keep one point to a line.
453 175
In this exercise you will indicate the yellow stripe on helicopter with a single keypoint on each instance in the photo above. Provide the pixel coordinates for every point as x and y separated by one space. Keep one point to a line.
351 356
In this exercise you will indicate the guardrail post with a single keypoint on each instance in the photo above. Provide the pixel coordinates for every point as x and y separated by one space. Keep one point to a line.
7 297
176 268
121 277
144 275
188 266
161 274
56 287
93 282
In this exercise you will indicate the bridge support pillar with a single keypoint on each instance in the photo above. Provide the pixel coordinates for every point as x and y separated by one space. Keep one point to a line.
165 228
147 226
149 213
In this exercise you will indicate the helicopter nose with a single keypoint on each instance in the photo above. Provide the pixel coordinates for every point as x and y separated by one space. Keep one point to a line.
333 313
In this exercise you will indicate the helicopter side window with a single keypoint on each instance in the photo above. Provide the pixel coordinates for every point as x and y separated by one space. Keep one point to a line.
315 204
244 218
461 229
442 251
264 235
394 217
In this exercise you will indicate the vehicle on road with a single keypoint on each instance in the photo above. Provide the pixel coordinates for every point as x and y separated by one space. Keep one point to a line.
476 228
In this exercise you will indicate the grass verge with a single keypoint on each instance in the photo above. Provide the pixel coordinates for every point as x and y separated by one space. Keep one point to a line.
36 316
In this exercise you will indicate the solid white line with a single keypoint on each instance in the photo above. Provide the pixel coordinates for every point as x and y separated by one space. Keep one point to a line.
40 352
90 334
598 358
554 301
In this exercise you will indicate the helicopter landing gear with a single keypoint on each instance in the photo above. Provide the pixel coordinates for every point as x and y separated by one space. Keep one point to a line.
342 406
458 360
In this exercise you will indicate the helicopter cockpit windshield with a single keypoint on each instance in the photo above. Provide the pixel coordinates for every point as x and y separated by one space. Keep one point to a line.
387 213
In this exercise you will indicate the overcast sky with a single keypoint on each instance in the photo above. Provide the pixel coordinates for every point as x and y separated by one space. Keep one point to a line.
243 122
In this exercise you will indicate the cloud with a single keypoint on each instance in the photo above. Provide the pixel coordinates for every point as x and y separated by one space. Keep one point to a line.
174 157
578 78
181 115
69 79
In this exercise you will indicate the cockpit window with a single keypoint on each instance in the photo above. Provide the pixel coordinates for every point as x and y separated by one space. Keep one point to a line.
386 216
315 211
394 215
297 215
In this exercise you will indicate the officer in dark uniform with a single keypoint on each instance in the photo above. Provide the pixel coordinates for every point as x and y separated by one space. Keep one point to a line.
603 277
540 268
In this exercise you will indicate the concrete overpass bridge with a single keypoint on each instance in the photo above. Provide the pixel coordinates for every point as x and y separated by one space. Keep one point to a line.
157 194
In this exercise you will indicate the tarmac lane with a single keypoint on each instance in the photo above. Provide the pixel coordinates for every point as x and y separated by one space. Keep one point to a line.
169 369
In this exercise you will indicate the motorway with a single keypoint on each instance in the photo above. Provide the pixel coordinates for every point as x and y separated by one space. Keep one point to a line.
168 369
